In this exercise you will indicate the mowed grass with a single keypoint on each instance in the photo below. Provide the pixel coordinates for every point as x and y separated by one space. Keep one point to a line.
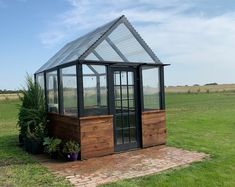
201 122
17 168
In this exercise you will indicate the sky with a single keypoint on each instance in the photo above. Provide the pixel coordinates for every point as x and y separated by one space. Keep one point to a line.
197 37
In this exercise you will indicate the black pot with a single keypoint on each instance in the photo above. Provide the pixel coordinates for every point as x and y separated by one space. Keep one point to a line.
54 155
27 145
36 147
21 140
72 156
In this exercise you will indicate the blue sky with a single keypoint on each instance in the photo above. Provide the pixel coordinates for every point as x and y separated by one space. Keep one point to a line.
197 37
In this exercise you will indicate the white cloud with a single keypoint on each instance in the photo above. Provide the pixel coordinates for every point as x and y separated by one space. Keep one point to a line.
88 14
171 28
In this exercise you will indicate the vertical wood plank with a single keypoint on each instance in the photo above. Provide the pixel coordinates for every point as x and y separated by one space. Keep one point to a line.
153 128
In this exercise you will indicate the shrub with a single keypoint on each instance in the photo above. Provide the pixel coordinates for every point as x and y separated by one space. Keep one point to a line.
71 147
32 117
52 145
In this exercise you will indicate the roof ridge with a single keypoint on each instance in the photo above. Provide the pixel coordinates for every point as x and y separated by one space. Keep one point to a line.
93 31
143 41
115 22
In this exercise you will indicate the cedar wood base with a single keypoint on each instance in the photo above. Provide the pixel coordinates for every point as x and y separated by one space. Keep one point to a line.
95 133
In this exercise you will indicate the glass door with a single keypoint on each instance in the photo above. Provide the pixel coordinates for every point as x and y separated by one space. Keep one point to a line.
125 111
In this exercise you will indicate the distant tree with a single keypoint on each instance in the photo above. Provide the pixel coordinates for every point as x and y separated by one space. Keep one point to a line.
211 84
9 91
196 85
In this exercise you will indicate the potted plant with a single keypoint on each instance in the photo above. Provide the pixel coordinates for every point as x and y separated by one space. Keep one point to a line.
71 150
52 146
34 140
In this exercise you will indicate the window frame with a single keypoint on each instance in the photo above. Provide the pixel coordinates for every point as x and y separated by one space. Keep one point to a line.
37 80
47 95
160 96
61 91
81 92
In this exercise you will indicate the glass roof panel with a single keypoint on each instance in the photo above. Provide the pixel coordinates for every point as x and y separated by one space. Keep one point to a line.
120 46
73 50
128 45
91 56
107 52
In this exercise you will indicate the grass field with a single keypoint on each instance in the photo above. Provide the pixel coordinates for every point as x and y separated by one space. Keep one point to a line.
201 122
201 89
7 97
17 168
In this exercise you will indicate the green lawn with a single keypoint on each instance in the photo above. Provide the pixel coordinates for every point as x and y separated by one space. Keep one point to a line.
202 122
17 168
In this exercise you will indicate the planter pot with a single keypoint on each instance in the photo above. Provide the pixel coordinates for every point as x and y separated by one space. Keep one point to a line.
27 145
72 156
54 155
36 147
21 140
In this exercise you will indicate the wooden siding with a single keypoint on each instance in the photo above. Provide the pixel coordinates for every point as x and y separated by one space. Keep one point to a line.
64 127
96 136
153 128
95 133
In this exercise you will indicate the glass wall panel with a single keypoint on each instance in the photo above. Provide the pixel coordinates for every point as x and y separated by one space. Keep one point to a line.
94 89
151 88
40 80
69 91
52 91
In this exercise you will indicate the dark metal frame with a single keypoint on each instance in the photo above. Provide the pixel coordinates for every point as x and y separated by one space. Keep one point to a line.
80 90
60 92
45 90
136 67
110 67
78 65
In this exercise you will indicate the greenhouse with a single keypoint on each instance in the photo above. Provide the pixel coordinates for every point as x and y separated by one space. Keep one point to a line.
105 90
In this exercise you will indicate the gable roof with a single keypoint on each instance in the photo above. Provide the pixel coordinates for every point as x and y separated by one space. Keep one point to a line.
86 47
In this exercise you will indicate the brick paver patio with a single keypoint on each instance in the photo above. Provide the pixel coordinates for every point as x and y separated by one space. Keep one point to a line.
120 166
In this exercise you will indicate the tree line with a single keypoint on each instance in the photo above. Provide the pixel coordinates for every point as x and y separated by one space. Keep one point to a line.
9 91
